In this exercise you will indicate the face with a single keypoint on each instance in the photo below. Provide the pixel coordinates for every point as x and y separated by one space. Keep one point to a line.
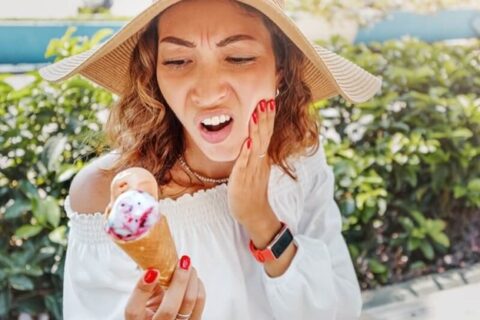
209 77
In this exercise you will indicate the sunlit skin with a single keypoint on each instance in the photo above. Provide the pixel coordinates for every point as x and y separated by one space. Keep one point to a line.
205 76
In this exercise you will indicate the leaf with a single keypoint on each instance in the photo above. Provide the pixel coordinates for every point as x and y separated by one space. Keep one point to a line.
435 226
58 235
21 282
24 256
461 133
368 214
18 208
52 211
54 305
6 261
348 206
427 250
417 265
459 191
5 301
376 267
52 151
413 244
46 210
354 251
68 34
411 177
99 35
407 223
28 231
66 174
28 189
474 185
441 238
38 210
418 233
34 271
418 216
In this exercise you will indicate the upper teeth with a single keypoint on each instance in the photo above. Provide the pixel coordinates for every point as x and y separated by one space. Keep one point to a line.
213 121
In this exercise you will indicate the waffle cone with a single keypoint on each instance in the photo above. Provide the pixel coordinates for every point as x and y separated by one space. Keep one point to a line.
155 249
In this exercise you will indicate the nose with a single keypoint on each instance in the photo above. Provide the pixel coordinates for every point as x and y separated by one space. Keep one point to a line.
210 90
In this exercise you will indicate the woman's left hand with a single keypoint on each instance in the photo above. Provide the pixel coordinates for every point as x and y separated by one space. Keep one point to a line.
248 182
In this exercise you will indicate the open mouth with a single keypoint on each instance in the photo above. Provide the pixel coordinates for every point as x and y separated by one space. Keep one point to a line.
218 127
216 133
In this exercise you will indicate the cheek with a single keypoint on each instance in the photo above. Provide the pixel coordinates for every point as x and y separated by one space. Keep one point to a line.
258 85
175 99
253 94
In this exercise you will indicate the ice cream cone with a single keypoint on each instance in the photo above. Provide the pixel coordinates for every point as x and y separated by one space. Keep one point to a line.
155 249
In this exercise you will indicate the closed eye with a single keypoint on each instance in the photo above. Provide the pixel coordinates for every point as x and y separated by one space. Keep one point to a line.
241 60
177 64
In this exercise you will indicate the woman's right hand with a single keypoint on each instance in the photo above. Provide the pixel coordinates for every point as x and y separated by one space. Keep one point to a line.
184 296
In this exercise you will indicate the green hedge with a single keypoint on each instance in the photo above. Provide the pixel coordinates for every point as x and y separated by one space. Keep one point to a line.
407 162
47 133
406 165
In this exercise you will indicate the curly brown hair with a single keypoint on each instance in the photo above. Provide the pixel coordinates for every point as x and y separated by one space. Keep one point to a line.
145 132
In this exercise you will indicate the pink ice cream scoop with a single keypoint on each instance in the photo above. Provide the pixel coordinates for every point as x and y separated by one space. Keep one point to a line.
133 213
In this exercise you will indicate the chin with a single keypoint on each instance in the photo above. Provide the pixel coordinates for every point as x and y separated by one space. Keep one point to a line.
221 153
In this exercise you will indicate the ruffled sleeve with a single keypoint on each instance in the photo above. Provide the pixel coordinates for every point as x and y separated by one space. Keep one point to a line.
320 282
98 276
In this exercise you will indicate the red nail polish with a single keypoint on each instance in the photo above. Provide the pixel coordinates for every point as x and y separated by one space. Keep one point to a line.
272 105
150 275
254 116
249 143
185 262
262 105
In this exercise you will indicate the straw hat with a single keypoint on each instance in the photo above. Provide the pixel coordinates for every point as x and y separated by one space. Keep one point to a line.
326 73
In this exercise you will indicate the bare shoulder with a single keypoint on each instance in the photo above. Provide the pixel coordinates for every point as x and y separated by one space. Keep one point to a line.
90 188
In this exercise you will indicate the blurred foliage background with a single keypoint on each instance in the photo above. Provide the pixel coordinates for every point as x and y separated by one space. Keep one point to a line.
366 12
406 164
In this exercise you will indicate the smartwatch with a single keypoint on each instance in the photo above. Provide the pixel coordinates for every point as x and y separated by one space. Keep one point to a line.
275 248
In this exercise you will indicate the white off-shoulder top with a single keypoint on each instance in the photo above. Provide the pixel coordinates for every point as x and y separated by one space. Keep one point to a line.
320 282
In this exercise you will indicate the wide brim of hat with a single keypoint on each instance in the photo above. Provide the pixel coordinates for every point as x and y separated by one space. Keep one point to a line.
326 73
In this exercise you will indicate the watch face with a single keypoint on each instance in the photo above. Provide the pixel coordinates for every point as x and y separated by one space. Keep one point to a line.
282 243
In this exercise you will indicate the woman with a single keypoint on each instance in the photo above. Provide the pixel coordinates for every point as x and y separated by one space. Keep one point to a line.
214 98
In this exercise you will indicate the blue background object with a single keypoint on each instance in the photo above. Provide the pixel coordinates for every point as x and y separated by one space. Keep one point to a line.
453 24
27 41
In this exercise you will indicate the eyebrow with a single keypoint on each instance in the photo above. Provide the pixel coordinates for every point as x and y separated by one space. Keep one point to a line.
223 43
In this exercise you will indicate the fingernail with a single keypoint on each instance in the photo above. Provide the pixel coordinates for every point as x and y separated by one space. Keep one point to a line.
272 105
249 143
263 104
150 275
185 262
254 116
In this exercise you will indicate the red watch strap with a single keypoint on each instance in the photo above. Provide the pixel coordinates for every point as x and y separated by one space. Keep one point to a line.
261 255
266 254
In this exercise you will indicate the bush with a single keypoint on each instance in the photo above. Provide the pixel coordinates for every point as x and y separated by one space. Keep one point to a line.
46 139
407 162
406 165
